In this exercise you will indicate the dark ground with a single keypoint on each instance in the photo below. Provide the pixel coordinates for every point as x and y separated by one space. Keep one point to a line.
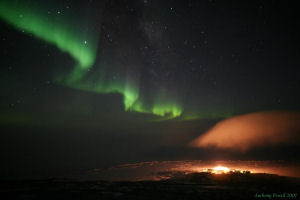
179 186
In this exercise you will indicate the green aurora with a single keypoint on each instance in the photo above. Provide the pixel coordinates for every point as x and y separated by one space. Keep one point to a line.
82 47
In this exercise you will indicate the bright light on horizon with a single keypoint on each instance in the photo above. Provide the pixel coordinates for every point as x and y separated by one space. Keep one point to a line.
220 170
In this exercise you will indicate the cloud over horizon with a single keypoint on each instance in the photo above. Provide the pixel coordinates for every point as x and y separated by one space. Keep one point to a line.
247 131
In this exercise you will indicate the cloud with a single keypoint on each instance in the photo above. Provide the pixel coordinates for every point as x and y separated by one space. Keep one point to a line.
252 130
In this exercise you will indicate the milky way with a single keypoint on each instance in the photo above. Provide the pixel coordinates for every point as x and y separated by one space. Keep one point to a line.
91 84
143 56
82 47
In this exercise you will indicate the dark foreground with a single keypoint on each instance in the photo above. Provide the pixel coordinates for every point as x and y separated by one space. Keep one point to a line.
179 186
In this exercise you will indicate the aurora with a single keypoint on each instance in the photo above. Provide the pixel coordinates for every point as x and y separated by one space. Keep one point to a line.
82 46
111 90
28 18
100 68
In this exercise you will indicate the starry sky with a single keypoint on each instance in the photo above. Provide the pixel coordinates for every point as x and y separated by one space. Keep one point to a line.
96 83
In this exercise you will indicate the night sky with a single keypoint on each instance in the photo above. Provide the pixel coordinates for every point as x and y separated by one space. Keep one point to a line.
88 84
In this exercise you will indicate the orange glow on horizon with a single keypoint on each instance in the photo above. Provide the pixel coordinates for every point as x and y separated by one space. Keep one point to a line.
220 170
225 170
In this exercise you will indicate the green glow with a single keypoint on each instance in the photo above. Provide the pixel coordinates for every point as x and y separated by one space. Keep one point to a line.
130 97
205 114
57 32
81 45
130 92
163 110
14 118
166 111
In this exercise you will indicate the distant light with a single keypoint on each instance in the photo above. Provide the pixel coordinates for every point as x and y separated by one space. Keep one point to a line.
225 170
220 170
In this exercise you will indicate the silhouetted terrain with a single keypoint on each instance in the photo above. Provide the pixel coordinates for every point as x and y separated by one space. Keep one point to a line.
178 186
